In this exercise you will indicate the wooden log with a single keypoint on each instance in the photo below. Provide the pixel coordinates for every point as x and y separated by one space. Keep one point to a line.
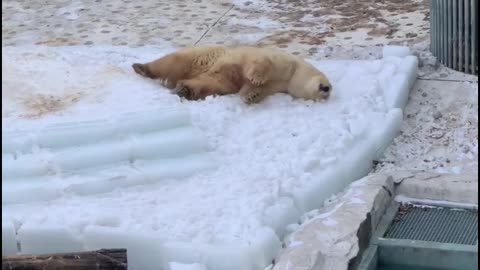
103 259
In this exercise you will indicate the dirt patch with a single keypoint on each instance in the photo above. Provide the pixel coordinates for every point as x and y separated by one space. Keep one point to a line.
39 105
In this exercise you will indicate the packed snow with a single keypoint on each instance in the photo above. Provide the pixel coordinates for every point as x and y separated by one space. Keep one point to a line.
268 163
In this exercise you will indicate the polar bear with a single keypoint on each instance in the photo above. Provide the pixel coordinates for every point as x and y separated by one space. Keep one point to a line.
254 73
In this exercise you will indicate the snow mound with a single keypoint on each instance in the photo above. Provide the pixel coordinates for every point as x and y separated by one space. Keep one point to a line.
215 183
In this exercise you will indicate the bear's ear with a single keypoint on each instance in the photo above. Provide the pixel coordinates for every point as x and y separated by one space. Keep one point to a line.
323 88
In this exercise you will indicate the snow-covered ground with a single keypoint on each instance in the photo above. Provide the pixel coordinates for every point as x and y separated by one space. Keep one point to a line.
272 162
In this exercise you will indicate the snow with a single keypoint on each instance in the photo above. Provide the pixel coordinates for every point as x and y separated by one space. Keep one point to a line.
256 5
263 23
182 266
395 98
9 241
271 162
70 11
58 237
397 51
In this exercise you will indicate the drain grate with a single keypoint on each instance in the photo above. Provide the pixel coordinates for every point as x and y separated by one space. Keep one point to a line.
435 224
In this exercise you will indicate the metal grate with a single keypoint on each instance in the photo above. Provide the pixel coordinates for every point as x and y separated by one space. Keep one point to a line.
453 33
436 224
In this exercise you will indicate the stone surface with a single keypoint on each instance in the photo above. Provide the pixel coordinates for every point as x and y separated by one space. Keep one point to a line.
329 240
457 188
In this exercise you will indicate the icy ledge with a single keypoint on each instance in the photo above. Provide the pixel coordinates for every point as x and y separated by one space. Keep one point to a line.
225 220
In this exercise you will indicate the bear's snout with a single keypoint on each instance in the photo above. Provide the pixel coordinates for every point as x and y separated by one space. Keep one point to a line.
324 88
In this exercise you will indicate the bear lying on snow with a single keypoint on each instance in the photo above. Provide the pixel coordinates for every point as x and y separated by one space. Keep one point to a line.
254 73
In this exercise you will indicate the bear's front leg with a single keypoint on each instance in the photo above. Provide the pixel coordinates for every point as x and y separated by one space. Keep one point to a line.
251 95
258 71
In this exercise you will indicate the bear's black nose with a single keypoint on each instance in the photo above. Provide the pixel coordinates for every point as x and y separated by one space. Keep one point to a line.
323 88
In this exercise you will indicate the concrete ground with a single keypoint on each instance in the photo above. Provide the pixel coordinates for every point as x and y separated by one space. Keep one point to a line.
440 130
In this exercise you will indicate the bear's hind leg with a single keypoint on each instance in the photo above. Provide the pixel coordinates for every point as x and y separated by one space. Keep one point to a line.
169 69
142 69
203 86
183 90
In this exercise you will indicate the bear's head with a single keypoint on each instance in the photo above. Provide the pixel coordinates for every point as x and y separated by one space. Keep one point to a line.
318 88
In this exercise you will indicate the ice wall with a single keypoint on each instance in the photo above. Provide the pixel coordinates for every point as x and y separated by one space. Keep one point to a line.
93 157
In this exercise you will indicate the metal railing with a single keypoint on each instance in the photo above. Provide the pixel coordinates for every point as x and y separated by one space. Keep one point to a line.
453 34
